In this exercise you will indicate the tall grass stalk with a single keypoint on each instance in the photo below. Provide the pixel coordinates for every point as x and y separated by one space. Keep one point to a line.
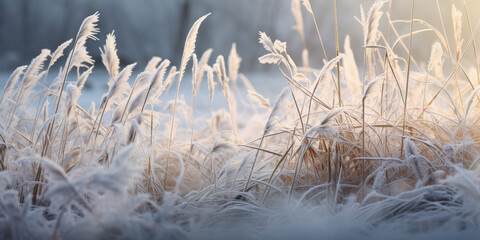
408 76
308 6
188 50
337 48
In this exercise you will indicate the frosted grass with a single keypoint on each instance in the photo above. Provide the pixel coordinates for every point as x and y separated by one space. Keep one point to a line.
303 166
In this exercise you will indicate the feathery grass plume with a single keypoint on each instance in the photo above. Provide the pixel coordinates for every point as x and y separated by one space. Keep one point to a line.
171 76
120 84
139 86
233 64
77 56
189 47
142 81
457 30
156 87
54 57
373 21
120 110
88 29
205 58
80 57
73 93
211 81
109 57
259 99
29 86
195 70
297 14
136 104
35 66
29 80
350 66
370 88
435 64
199 70
219 68
83 78
221 71
152 64
58 52
12 82
119 87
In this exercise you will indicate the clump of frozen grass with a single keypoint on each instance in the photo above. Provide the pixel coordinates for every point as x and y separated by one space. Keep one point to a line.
368 158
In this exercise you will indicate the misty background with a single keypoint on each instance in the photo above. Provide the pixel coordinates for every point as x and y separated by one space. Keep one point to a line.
149 28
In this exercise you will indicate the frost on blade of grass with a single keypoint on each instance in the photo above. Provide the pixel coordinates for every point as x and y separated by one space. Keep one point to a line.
305 165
